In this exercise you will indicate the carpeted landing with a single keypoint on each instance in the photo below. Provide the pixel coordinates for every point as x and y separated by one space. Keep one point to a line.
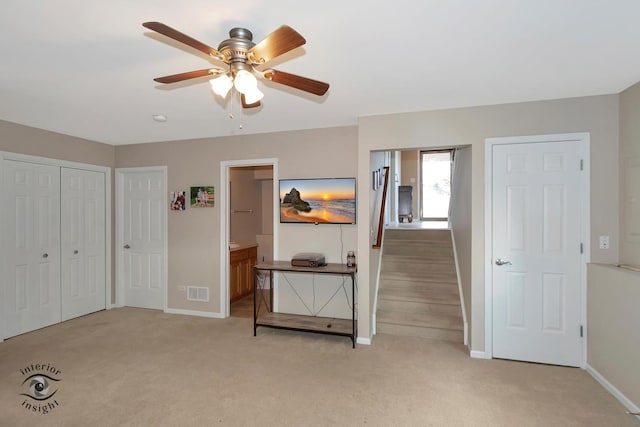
135 367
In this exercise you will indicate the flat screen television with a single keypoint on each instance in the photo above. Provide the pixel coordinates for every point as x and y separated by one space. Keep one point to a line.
318 201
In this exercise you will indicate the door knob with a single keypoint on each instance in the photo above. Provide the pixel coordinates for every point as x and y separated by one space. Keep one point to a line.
75 252
127 246
45 255
502 262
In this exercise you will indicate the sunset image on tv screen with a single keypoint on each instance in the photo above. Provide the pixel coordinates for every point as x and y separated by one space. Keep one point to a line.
326 200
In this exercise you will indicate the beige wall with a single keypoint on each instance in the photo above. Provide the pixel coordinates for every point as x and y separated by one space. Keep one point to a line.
246 195
16 138
268 200
613 294
630 176
613 336
194 235
37 142
470 126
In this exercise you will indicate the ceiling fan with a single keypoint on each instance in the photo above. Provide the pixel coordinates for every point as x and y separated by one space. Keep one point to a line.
242 56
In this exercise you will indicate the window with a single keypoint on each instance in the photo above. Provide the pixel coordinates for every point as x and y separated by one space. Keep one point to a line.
435 174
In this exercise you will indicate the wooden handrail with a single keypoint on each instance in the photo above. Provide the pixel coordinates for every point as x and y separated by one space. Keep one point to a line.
378 242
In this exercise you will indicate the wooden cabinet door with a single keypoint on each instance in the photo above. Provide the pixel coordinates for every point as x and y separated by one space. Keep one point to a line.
234 278
246 272
252 259
241 273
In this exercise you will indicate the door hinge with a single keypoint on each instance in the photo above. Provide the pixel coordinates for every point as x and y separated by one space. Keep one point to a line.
581 164
581 331
581 248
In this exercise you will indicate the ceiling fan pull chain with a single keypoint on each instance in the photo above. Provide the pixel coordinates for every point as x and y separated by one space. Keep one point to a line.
231 104
241 113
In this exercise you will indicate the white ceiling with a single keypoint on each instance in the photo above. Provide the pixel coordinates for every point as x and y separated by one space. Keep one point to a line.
85 67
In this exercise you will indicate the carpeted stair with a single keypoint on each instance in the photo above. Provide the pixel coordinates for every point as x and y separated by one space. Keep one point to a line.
418 293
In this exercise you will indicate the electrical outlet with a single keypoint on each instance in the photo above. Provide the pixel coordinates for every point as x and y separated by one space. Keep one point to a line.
182 288
604 242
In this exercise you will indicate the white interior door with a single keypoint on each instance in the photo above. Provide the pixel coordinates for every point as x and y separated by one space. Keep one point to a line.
31 243
83 242
538 205
143 217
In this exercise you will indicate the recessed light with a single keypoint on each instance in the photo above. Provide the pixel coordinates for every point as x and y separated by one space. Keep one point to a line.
159 118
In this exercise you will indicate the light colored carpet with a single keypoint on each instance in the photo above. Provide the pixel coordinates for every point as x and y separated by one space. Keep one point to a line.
146 368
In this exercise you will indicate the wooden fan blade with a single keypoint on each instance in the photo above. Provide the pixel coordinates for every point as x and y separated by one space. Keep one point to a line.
275 44
308 85
188 75
245 105
165 30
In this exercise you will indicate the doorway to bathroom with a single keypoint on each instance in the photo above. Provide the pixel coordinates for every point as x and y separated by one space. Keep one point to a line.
249 229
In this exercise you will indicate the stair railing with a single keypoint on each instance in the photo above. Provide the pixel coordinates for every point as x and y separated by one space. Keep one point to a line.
378 241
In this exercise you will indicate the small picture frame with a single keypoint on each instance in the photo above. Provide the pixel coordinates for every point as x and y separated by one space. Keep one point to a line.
202 196
178 200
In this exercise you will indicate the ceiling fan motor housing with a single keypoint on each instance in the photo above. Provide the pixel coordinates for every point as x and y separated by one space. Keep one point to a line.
235 49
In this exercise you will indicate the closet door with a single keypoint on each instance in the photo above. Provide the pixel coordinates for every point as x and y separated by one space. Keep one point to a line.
143 220
31 246
83 242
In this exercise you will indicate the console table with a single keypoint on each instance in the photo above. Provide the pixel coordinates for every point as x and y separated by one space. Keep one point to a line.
300 322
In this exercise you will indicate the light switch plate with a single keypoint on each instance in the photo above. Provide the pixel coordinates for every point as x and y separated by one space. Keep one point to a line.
604 242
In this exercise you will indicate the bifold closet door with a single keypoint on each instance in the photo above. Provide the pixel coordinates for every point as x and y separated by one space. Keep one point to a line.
83 242
31 246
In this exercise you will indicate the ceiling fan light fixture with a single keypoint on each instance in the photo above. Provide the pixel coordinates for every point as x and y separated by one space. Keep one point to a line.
245 82
253 96
221 85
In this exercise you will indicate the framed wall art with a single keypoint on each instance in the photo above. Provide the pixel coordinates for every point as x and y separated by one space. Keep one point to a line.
202 196
178 200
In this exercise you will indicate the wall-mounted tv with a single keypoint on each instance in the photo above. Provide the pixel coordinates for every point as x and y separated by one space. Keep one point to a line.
318 201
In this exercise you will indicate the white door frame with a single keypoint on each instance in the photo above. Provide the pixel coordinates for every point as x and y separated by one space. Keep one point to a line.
119 231
583 137
225 166
68 164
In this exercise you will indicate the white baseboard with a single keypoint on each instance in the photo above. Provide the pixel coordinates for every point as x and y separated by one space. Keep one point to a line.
373 325
194 313
475 354
363 341
117 304
631 407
